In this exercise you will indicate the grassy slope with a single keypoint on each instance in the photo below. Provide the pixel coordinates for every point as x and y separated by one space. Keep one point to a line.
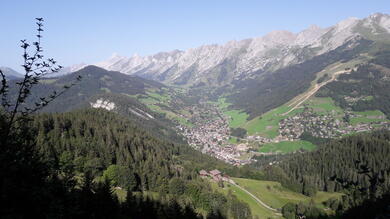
368 116
233 140
155 101
237 117
256 208
323 105
274 195
287 146
267 125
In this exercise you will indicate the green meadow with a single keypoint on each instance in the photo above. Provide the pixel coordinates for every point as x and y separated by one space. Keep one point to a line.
236 117
267 125
276 196
287 146
272 194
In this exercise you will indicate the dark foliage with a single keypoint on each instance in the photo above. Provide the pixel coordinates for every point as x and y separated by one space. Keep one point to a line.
238 132
302 210
372 208
315 140
338 158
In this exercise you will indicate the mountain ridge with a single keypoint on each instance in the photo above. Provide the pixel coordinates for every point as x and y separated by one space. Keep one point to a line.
10 74
272 51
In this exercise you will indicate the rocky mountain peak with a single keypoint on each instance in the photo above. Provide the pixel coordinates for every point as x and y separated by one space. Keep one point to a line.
234 59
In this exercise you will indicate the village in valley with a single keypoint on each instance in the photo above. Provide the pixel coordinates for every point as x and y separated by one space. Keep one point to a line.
210 132
324 125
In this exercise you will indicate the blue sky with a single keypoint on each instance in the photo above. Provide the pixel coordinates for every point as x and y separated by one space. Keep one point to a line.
90 31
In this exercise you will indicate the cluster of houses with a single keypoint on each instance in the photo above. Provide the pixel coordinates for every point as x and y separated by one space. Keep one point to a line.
322 126
260 139
215 175
366 127
209 129
210 134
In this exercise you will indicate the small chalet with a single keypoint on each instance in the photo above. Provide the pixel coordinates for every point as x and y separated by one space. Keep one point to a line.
203 173
215 173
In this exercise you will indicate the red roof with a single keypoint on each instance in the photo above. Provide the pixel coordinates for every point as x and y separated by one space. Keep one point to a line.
215 172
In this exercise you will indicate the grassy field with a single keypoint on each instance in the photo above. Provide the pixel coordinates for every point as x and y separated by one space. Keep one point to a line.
222 104
357 120
256 209
158 96
287 146
371 113
267 125
271 193
170 115
156 102
276 196
324 105
237 117
233 140
368 117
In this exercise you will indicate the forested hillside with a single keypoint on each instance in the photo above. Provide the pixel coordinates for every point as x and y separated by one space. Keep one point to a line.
338 158
366 88
357 165
85 154
112 88
95 139
94 81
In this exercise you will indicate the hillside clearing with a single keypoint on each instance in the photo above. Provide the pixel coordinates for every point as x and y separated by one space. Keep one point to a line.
287 147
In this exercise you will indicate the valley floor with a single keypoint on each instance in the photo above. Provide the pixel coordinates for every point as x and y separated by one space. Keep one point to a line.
277 131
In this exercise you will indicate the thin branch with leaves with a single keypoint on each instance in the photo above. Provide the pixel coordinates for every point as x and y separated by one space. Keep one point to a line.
35 68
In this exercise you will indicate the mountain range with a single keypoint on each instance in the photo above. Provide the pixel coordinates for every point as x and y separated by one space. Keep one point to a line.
218 65
255 75
221 64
